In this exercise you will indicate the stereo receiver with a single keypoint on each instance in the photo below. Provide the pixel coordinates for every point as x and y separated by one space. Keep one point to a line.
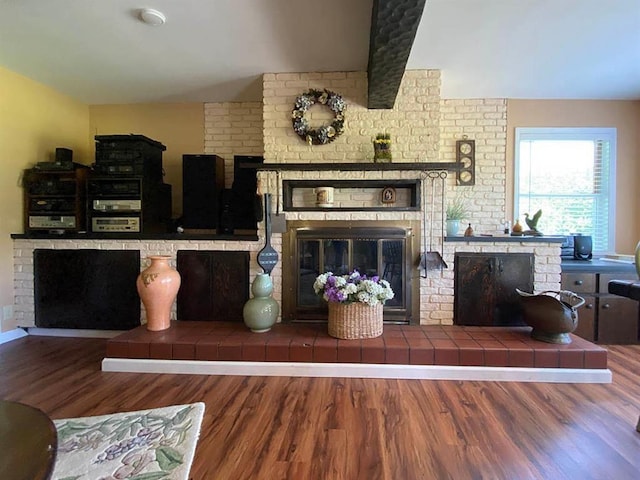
117 205
115 224
52 221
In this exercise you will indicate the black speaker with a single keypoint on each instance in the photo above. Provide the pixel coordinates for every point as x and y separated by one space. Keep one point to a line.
202 184
582 247
247 205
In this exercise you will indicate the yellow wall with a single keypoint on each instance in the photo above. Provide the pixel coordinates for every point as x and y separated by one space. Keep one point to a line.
178 126
624 116
34 120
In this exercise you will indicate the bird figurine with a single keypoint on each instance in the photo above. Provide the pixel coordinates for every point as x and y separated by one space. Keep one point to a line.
532 223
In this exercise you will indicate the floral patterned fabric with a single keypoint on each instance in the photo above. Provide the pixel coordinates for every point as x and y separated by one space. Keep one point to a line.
143 445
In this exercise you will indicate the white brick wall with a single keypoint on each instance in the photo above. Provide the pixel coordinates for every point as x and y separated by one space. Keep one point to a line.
423 128
233 129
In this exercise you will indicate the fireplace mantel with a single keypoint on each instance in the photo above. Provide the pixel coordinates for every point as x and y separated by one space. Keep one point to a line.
367 167
505 239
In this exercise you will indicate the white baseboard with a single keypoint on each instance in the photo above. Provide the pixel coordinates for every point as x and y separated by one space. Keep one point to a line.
358 370
73 332
12 335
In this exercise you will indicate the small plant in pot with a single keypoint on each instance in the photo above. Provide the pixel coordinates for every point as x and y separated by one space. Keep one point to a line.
456 211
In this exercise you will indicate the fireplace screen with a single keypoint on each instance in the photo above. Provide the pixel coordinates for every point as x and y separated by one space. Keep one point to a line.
371 251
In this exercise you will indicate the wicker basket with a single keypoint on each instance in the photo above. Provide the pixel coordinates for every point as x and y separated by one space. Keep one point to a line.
354 320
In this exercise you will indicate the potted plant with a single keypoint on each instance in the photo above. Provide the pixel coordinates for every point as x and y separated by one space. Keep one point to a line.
382 148
355 303
456 211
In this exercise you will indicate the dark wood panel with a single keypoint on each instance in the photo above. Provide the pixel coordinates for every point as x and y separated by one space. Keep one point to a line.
485 287
87 289
335 428
587 319
215 285
617 320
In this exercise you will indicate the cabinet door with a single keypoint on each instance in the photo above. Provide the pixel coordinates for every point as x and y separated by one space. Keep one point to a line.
215 285
587 319
485 287
617 320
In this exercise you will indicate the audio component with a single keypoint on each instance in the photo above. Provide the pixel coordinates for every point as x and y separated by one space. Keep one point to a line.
52 222
117 205
115 224
129 155
55 199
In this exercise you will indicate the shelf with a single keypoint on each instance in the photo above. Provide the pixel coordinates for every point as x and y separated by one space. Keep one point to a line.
368 167
411 186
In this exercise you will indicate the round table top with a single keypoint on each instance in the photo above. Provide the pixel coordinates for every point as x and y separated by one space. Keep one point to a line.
28 442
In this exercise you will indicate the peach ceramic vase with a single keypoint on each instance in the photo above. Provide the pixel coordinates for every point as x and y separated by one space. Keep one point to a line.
158 286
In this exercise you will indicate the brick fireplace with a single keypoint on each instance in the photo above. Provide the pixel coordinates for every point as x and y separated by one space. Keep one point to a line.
423 128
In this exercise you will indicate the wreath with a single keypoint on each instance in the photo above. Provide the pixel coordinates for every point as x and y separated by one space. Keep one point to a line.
325 133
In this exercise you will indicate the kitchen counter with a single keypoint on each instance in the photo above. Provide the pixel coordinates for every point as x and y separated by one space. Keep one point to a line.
596 265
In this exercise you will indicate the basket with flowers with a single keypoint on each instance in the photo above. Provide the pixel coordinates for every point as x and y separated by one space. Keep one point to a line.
355 303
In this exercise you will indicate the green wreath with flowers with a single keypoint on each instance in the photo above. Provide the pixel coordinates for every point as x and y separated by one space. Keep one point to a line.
326 133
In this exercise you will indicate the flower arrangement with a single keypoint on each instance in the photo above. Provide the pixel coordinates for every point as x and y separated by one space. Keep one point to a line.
325 133
352 288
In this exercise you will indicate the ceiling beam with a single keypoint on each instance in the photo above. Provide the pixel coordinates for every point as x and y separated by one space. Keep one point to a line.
393 30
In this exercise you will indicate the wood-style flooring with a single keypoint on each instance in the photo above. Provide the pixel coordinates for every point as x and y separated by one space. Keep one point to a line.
337 428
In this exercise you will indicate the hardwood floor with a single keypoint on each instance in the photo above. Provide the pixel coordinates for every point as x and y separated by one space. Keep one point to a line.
335 428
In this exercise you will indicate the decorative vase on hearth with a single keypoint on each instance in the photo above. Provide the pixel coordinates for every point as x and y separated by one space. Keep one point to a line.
261 312
637 259
158 286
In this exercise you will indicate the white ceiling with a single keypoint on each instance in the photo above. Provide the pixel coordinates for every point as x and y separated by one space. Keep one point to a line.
99 52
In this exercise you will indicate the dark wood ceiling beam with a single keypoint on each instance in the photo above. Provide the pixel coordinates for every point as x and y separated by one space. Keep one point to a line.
393 29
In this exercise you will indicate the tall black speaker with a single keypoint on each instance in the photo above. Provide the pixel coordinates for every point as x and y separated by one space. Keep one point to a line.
247 207
202 184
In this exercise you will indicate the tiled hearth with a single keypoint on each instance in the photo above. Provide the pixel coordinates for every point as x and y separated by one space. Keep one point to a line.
398 345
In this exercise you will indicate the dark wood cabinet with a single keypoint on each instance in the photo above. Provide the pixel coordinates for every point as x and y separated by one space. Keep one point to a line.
214 287
605 318
485 287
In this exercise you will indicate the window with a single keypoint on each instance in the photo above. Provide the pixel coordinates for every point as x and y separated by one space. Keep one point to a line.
569 173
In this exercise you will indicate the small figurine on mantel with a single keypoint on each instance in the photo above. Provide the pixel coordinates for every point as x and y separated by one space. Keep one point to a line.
517 228
532 223
469 231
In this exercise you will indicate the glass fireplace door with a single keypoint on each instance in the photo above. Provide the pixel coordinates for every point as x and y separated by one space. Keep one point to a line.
385 257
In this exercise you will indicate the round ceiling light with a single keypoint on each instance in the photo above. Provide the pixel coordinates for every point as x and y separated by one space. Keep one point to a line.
152 17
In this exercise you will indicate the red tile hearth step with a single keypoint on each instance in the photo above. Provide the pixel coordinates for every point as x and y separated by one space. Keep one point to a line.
449 345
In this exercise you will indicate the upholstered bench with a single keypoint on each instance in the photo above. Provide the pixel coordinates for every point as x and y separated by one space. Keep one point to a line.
625 288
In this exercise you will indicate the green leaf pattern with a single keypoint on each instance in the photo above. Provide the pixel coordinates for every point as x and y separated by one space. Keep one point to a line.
142 446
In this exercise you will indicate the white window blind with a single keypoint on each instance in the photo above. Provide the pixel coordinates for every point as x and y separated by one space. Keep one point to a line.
569 174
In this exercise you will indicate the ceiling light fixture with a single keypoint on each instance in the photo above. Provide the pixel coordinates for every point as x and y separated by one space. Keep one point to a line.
152 17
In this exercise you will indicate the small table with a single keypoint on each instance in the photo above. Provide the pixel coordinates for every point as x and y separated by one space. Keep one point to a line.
28 442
